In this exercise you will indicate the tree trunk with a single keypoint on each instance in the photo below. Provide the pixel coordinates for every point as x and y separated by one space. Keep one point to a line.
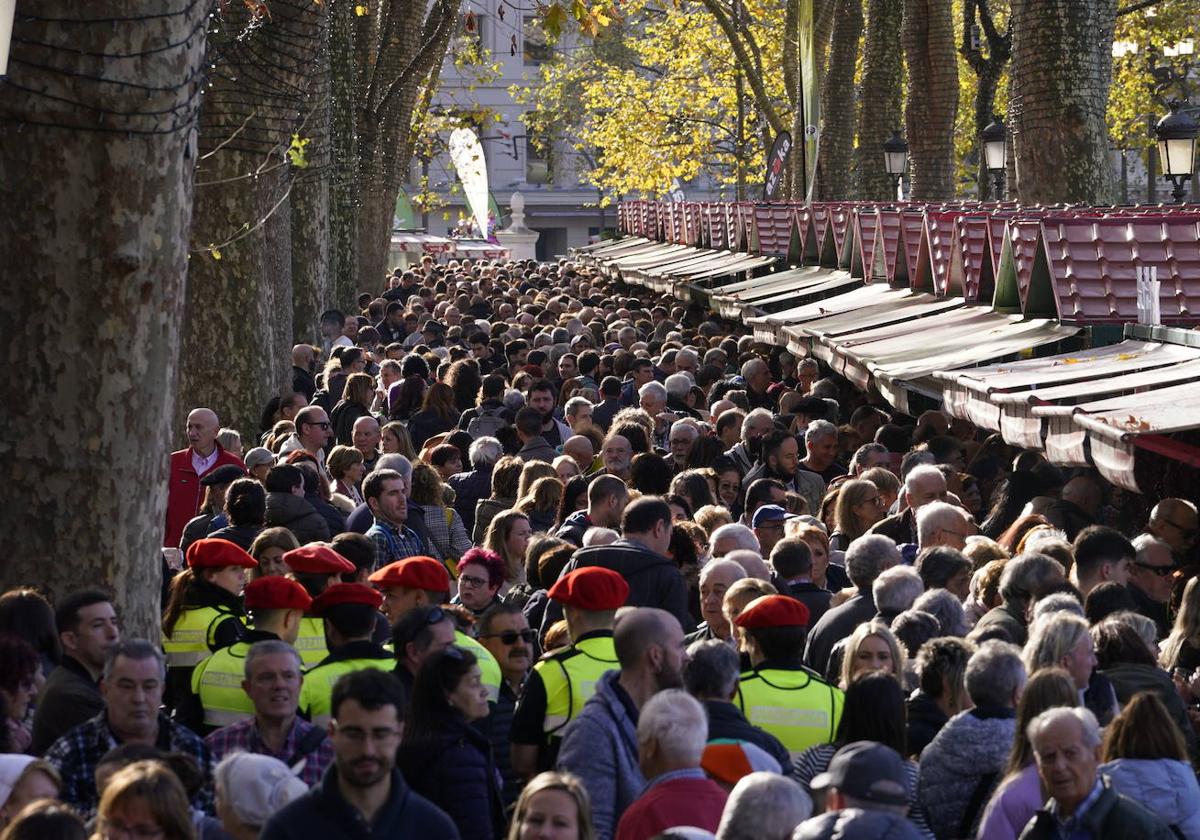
408 51
1062 68
238 321
94 249
311 285
881 92
927 35
835 155
343 190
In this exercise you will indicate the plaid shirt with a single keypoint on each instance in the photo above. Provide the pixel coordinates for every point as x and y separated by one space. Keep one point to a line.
243 737
450 539
392 543
76 754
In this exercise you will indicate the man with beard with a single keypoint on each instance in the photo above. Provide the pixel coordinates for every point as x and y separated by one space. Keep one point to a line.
780 453
363 794
600 746
540 397
504 631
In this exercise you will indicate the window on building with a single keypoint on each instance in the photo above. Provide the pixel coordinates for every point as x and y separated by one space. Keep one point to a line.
534 46
537 165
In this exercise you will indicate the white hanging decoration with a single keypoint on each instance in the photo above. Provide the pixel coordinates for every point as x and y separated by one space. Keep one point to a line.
466 153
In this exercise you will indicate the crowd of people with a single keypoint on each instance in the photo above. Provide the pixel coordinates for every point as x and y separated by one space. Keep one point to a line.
529 553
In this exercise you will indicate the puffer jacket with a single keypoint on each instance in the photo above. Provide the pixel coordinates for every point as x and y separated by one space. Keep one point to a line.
600 747
298 516
1013 806
453 769
966 756
1164 786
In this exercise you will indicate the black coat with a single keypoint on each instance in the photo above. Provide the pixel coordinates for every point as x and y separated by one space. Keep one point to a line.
1111 817
654 580
453 768
925 720
469 488
834 626
323 812
289 511
343 417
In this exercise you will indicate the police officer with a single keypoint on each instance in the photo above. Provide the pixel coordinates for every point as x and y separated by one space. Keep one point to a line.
316 566
779 694
424 582
348 611
204 611
276 605
562 681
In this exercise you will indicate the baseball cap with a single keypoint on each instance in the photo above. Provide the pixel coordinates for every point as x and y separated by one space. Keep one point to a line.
866 770
224 474
769 513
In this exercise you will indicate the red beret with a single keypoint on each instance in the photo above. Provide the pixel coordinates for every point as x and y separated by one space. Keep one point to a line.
413 573
347 593
317 560
276 593
773 611
591 588
212 553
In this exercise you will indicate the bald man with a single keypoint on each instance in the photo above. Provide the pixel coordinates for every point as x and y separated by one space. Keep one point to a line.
581 451
188 466
1174 521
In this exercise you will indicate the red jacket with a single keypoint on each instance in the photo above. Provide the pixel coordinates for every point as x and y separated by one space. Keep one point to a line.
673 802
184 492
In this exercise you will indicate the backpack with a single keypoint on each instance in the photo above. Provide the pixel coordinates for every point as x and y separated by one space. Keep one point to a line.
486 424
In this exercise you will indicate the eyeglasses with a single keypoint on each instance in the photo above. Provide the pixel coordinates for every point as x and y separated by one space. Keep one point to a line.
509 637
1161 571
472 581
324 425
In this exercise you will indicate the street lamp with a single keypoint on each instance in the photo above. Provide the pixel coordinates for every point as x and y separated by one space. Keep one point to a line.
895 159
995 153
1176 135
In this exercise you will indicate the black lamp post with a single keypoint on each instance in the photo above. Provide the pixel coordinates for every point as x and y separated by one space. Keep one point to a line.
995 153
1176 135
895 159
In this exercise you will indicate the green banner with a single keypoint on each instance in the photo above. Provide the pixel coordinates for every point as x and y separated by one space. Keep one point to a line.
810 88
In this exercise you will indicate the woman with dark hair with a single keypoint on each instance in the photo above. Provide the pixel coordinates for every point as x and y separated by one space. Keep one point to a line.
681 508
446 459
26 613
1012 495
268 549
445 526
343 362
873 711
438 414
1123 656
443 756
464 380
405 398
355 403
705 451
20 679
1147 761
693 486
1014 534
461 440
45 819
279 408
729 482
246 510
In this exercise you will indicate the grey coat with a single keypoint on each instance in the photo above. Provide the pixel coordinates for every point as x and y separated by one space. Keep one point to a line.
969 753
600 747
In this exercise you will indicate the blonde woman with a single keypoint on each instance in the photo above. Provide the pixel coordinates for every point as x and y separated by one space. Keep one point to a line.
508 535
872 647
268 549
553 805
541 503
858 507
1181 649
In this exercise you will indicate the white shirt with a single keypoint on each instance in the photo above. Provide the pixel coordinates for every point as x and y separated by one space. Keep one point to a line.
202 464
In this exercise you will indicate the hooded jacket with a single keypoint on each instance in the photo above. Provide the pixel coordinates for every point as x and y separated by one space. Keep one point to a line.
600 747
654 580
298 516
1164 786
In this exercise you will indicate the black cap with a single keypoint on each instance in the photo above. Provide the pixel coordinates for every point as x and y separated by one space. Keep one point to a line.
224 474
867 770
